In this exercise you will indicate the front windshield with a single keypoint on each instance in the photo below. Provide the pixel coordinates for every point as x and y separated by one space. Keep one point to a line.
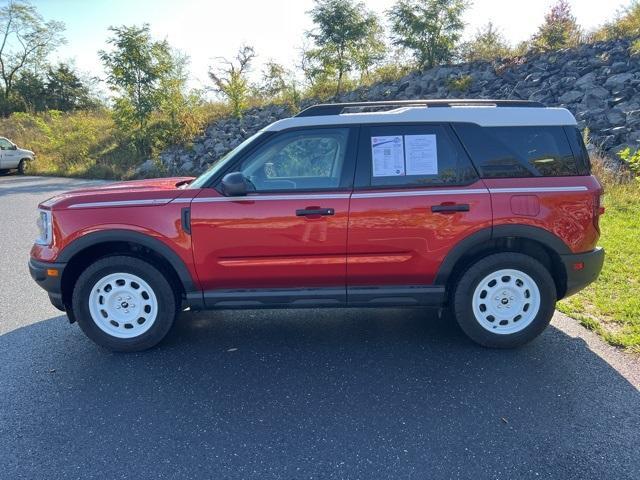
203 179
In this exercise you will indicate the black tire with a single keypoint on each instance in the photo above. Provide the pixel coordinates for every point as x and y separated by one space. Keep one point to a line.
167 302
471 278
22 167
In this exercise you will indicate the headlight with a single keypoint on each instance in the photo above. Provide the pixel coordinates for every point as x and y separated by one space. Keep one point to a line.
45 234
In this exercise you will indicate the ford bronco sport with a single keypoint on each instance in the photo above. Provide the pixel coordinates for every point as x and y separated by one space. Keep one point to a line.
484 206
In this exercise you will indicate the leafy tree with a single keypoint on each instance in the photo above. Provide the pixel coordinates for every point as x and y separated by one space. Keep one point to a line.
64 89
346 36
430 29
31 93
626 24
559 30
230 78
136 67
279 84
25 40
487 44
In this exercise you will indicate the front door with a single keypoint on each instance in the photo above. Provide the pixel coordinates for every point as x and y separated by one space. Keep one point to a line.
6 154
416 196
286 241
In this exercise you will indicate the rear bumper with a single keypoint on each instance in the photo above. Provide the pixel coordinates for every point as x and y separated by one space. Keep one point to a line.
52 284
578 278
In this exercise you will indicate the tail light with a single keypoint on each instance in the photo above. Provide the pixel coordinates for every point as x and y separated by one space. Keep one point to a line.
598 209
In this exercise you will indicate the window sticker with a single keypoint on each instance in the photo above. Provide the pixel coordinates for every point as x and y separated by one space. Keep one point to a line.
421 154
387 155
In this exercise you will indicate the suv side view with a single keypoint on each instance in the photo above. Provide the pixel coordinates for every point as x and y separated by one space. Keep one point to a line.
485 206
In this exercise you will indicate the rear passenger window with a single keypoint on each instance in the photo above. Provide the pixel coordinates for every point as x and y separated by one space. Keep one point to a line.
413 155
518 151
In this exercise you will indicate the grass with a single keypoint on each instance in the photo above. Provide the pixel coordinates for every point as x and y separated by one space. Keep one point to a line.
611 306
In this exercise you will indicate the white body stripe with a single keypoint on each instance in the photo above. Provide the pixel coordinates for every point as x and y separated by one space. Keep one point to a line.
539 189
123 203
331 196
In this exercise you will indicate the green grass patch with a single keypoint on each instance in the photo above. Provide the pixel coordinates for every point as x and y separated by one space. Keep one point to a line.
611 306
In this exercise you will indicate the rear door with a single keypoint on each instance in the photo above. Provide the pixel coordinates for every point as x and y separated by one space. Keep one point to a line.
416 196
290 234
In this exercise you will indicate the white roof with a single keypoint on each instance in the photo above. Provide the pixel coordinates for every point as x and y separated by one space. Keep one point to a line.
486 116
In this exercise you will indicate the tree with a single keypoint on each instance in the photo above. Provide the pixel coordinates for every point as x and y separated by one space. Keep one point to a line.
31 93
346 37
487 44
279 84
559 30
230 78
25 39
136 67
64 89
430 29
626 24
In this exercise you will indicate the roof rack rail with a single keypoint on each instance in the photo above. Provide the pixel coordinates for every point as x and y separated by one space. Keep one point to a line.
338 108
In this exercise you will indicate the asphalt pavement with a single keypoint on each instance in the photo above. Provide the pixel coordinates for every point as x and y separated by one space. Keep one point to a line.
299 394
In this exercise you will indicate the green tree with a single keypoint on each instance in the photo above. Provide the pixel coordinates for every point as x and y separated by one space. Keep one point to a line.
136 67
230 78
25 40
346 37
430 29
64 90
626 24
487 44
559 30
30 90
279 84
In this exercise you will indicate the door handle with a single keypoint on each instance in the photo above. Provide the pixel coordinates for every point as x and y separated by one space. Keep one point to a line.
457 207
303 212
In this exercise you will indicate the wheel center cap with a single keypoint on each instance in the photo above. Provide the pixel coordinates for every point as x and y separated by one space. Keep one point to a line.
124 304
505 301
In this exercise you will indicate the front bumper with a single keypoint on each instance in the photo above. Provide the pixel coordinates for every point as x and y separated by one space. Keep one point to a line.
582 269
41 272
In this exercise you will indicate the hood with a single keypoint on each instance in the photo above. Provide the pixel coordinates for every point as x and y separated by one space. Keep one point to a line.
156 191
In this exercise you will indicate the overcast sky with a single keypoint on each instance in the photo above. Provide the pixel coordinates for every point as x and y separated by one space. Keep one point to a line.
204 29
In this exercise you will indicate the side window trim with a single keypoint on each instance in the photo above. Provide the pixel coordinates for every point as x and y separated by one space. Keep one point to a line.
346 176
362 180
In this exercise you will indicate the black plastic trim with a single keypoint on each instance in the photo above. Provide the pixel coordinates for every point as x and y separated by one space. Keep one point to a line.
365 296
579 279
400 295
499 231
147 241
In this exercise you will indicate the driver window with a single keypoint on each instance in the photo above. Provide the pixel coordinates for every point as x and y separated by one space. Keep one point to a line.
4 144
298 160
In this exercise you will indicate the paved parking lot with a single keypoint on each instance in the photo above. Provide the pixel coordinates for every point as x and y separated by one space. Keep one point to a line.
323 394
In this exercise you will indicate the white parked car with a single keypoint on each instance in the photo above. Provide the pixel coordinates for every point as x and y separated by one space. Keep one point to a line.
12 157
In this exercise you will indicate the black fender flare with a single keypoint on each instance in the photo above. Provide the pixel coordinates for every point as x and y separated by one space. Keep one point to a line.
121 235
540 235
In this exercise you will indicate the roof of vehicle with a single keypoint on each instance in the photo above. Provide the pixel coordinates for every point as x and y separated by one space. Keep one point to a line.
487 113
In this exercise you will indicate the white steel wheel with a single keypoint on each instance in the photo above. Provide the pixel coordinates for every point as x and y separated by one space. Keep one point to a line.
123 305
506 301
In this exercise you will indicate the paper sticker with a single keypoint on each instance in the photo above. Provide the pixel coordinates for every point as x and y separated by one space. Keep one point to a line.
387 154
422 154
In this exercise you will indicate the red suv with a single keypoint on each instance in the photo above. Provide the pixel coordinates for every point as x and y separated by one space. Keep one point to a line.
488 207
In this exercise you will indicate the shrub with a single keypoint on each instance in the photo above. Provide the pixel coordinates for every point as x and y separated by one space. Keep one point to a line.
460 84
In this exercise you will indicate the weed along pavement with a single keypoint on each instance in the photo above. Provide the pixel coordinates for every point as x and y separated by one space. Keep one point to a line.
377 393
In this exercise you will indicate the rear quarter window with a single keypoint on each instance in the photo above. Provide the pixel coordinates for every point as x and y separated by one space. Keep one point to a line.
419 156
500 152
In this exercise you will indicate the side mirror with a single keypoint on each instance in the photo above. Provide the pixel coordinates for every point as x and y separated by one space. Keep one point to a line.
234 184
13 147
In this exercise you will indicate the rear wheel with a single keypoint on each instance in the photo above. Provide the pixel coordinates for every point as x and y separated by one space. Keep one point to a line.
504 300
124 304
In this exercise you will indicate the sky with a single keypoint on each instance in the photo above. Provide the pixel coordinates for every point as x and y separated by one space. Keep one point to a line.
207 29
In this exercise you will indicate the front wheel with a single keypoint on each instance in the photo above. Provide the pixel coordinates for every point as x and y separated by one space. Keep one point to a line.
504 300
22 167
124 304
